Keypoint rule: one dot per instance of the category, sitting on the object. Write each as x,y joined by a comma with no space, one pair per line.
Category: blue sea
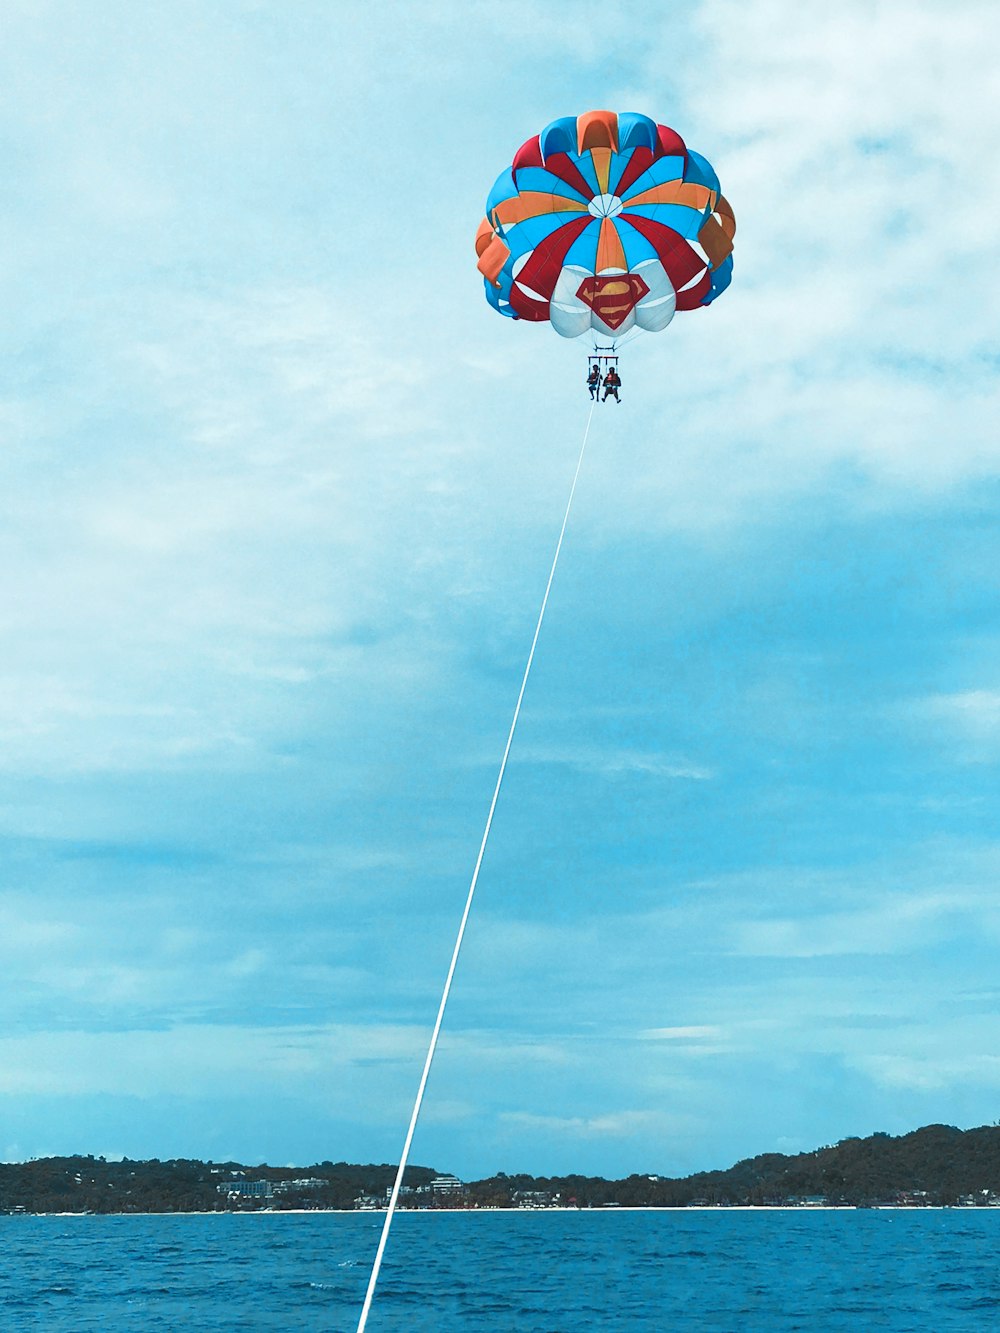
502,1272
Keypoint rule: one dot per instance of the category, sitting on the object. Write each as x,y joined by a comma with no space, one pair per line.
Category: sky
278,497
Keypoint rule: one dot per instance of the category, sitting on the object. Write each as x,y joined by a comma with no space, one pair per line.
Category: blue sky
278,495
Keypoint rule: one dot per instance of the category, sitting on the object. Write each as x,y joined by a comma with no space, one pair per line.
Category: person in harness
612,383
594,380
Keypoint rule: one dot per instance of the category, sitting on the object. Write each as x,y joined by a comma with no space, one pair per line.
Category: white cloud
694,1032
855,312
901,924
30,935
197,1061
930,1074
614,1124
615,763
953,1055
968,721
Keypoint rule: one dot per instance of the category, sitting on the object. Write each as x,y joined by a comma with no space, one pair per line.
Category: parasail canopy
605,222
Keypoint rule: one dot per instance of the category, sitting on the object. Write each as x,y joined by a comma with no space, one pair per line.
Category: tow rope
404,1157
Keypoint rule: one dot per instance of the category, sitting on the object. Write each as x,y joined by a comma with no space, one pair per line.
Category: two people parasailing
611,383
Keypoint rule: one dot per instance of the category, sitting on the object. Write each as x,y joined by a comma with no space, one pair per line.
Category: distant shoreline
468,1212
936,1166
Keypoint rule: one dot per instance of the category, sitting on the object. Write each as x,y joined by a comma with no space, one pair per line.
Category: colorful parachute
605,222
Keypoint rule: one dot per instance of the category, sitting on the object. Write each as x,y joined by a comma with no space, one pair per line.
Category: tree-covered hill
91,1184
937,1164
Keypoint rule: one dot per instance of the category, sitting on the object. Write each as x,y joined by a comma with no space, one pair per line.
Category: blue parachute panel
559,136
663,169
585,165
721,278
701,172
636,247
524,236
636,131
498,301
546,182
583,251
680,218
503,188
619,164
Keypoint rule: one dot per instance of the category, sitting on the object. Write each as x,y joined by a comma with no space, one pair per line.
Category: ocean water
524,1272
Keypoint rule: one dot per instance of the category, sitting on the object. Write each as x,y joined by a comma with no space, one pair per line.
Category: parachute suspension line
632,334
400,1170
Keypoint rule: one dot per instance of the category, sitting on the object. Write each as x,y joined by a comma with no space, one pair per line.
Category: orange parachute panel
675,192
484,235
532,203
597,129
602,165
714,241
727,218
609,248
492,260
